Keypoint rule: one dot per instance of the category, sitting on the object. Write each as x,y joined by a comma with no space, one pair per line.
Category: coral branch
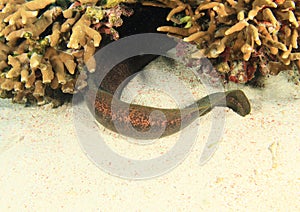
240,36
45,44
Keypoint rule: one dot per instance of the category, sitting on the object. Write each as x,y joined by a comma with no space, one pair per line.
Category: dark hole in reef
144,20
38,75
20,41
48,30
57,97
64,3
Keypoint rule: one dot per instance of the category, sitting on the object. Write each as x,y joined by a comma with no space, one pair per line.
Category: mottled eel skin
133,120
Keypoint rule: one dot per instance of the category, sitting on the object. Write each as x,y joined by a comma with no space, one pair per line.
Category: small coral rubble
239,36
45,45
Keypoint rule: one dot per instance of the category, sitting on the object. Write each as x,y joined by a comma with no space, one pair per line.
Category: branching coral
46,44
240,36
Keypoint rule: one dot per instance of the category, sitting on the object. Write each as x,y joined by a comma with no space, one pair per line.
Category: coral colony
45,44
240,37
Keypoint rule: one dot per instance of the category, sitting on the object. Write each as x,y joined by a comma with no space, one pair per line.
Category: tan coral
35,60
273,43
3,65
54,83
68,61
15,71
69,87
55,36
59,69
45,44
20,97
24,75
263,31
30,79
195,36
67,25
237,27
82,29
47,72
18,86
39,89
88,57
178,31
248,47
175,10
30,10
60,60
204,35
294,56
294,39
7,84
268,15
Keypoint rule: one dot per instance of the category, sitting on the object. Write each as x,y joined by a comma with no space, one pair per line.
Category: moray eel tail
234,99
138,121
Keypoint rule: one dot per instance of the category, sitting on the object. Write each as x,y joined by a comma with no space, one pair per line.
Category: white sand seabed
256,166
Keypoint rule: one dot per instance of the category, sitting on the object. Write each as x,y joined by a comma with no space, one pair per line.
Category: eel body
145,122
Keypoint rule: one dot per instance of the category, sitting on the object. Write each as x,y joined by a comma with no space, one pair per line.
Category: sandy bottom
256,166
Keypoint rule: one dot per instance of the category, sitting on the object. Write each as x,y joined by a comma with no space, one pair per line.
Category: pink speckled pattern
256,166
